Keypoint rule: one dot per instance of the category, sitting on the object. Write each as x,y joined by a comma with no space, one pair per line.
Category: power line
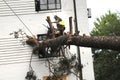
18,17
24,25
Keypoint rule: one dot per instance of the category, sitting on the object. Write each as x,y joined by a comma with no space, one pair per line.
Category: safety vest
61,23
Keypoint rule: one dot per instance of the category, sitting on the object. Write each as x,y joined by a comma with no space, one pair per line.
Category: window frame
55,5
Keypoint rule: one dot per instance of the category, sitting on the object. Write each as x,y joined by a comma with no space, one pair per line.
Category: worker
60,24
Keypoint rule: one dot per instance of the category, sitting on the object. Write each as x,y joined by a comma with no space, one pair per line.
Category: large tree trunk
102,42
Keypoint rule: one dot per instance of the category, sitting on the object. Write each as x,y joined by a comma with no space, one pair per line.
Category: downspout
78,49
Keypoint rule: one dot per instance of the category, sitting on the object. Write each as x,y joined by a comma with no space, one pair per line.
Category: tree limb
102,42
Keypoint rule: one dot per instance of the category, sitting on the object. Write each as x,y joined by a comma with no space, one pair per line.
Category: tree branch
102,42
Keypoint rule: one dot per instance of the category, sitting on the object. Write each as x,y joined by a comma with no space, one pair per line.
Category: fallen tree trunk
101,42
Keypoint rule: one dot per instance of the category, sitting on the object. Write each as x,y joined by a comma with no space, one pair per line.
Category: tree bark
70,24
51,26
101,42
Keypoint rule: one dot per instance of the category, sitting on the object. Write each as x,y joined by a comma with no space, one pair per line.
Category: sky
100,7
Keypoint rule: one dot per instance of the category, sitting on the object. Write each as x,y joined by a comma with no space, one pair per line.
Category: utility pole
78,49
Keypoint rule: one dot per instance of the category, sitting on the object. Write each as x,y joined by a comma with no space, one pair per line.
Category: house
30,16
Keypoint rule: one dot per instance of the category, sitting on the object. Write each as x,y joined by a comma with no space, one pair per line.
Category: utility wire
26,28
18,17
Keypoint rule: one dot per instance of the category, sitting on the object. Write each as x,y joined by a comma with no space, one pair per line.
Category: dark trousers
61,28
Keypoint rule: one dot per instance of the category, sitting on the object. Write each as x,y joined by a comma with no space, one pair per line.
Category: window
41,37
41,5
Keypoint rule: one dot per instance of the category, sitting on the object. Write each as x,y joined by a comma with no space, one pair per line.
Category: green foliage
107,65
106,62
107,25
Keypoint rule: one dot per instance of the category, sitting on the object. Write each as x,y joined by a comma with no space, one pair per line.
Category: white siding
19,7
15,60
14,57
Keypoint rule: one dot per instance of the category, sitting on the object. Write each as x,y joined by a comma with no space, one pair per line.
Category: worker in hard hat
60,24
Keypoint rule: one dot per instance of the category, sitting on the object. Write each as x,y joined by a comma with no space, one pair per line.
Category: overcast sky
100,7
